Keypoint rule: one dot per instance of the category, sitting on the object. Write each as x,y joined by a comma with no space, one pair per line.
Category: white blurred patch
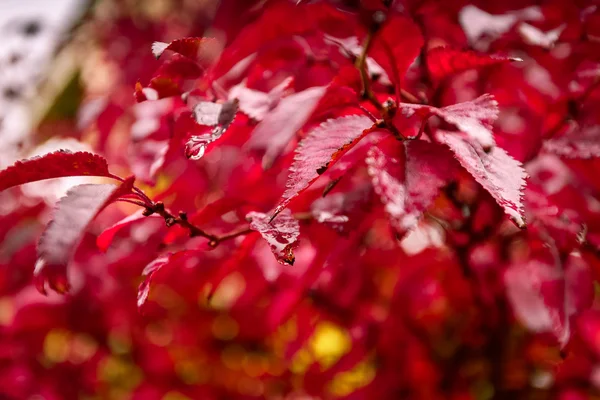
51,190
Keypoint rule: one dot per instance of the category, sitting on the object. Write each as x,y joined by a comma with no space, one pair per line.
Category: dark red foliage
336,199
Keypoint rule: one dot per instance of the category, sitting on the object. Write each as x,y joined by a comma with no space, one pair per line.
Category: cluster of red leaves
375,199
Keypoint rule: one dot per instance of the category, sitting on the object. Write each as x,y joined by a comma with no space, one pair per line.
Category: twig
170,220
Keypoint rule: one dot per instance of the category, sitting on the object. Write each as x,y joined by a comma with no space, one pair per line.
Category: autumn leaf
443,62
257,104
580,145
321,148
496,171
106,237
544,296
219,115
408,179
474,118
281,233
190,47
280,125
73,214
59,164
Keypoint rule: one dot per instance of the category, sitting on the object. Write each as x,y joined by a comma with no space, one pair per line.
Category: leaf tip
158,48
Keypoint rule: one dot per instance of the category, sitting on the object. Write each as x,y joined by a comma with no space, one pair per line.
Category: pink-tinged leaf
257,104
536,37
443,62
281,124
579,284
191,47
409,178
159,87
281,233
474,118
106,237
496,171
545,297
343,211
396,46
581,145
59,164
73,214
219,115
149,270
321,148
536,291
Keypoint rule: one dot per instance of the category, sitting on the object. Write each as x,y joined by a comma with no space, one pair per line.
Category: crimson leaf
443,61
257,104
408,180
106,237
496,171
53,165
219,115
73,214
190,47
281,233
281,124
322,147
585,144
544,296
474,118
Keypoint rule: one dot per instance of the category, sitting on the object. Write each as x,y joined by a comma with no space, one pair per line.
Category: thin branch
361,65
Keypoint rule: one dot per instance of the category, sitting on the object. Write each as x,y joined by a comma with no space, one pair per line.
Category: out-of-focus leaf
281,233
73,214
443,62
321,148
53,165
474,118
408,179
496,171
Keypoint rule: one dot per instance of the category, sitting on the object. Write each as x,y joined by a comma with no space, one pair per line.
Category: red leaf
281,124
397,46
443,61
544,296
53,165
153,267
536,291
343,211
73,214
106,237
582,145
322,147
257,104
159,87
281,233
409,179
219,115
191,47
474,118
496,171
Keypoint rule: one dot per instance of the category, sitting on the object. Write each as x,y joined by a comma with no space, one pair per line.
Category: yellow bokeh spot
302,359
233,356
119,372
229,290
255,365
191,373
56,345
175,396
7,311
344,383
119,341
159,334
224,327
328,343
83,347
